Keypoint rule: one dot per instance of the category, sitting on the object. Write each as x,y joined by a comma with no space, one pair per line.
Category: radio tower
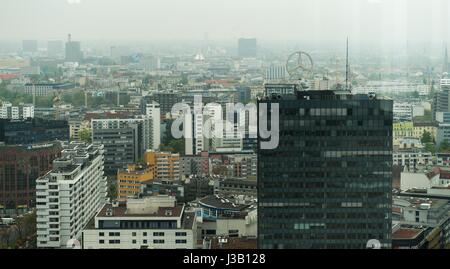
347,69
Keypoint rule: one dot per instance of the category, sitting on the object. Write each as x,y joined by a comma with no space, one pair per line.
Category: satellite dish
299,65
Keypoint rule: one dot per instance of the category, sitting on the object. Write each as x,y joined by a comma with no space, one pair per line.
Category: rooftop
406,233
233,243
442,172
218,202
424,203
121,211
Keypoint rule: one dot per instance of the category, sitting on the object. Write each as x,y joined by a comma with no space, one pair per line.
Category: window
133,234
158,234
134,241
158,241
101,234
101,241
114,241
180,234
180,241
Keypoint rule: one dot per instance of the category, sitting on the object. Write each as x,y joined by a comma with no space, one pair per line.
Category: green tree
426,137
85,135
112,191
174,145
444,147
430,147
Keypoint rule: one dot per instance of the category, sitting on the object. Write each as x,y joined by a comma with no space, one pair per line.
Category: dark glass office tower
328,183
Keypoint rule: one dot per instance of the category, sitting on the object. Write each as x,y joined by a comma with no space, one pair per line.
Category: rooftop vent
109,212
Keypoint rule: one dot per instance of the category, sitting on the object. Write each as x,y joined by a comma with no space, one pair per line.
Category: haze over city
377,22
224,124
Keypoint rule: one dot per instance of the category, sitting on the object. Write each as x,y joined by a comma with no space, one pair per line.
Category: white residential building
155,222
24,111
403,111
70,194
153,111
412,158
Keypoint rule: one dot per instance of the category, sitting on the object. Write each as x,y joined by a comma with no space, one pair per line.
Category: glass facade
328,183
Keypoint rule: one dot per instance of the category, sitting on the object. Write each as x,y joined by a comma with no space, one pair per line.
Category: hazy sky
365,21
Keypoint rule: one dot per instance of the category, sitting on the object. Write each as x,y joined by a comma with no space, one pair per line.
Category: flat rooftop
221,203
406,233
121,211
234,243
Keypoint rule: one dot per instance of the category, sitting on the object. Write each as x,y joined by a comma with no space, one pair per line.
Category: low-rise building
167,164
412,158
425,212
402,130
421,127
131,180
409,237
237,186
155,222
232,216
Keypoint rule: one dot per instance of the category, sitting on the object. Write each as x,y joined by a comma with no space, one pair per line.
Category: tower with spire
347,70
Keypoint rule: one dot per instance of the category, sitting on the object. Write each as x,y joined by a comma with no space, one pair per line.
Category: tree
444,147
112,191
426,137
85,135
25,226
430,147
174,145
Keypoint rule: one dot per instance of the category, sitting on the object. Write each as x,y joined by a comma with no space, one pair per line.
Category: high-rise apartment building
328,183
153,111
70,195
441,99
73,50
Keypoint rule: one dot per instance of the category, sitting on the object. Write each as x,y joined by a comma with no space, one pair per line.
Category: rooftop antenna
347,68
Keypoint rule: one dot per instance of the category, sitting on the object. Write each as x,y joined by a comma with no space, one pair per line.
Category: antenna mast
347,69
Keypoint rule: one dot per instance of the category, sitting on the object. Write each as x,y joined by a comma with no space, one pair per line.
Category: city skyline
377,22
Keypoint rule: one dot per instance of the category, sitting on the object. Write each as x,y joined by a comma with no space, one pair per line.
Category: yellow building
402,130
167,164
129,181
421,127
76,126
